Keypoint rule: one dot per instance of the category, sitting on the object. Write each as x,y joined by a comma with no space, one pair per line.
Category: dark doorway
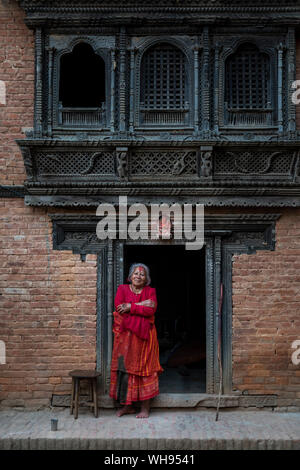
179,278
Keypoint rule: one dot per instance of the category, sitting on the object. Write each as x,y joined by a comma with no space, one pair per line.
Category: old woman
135,363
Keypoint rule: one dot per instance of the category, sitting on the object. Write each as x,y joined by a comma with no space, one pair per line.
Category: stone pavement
165,429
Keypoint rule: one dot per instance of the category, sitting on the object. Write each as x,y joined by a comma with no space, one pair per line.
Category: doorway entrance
179,278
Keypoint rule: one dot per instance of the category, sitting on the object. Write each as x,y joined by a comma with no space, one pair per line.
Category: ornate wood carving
205,109
180,6
11,191
110,307
28,163
112,89
206,170
164,118
51,51
210,358
225,234
222,168
122,79
196,93
122,165
75,118
267,46
244,166
218,49
264,164
38,81
291,72
217,293
101,326
280,49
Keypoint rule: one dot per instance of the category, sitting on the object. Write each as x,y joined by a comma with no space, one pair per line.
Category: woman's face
138,277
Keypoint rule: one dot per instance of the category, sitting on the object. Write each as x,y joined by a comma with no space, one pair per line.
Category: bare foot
145,410
126,410
143,414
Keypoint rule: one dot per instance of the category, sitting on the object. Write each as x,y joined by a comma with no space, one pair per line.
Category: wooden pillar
279,81
217,282
110,308
209,254
38,82
291,40
216,89
131,112
205,82
112,89
196,85
122,81
50,51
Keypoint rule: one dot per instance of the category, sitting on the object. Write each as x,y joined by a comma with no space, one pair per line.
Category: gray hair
147,271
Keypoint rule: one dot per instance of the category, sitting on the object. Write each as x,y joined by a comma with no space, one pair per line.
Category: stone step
165,429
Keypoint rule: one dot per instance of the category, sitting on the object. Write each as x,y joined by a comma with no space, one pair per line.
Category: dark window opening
179,278
82,78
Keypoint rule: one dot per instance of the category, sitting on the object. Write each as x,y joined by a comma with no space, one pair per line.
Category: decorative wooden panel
163,86
248,87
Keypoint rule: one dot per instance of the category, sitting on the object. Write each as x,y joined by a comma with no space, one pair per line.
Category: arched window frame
189,83
56,111
252,119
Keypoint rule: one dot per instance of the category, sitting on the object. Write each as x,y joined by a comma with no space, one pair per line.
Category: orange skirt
132,354
127,388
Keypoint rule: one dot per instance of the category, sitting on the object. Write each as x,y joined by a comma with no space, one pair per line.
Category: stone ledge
186,400
166,429
77,443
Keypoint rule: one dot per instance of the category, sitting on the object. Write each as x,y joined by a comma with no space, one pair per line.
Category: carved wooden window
82,88
163,97
248,88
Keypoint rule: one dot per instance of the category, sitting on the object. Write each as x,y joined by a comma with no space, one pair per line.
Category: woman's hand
123,308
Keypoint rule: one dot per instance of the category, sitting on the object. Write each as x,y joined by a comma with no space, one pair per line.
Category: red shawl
140,319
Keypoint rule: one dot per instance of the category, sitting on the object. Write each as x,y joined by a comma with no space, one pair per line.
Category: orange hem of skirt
139,389
129,402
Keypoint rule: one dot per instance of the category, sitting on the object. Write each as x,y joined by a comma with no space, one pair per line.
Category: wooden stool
91,376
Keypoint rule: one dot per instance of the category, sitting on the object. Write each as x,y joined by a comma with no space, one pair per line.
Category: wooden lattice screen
163,78
163,87
248,87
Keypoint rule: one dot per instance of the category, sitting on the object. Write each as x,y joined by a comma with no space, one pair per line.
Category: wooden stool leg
95,397
77,389
72,395
91,390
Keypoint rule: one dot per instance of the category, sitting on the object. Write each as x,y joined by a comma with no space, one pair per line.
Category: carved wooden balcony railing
241,173
245,117
81,117
164,117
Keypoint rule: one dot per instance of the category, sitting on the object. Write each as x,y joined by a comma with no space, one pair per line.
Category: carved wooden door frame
111,274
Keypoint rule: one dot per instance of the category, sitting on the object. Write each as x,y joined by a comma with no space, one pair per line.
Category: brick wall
17,72
47,308
48,311
266,315
48,301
